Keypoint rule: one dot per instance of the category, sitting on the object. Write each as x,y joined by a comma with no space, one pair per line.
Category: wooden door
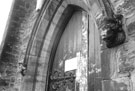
69,68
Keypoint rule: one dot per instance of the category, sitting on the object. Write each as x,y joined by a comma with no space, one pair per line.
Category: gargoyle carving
112,31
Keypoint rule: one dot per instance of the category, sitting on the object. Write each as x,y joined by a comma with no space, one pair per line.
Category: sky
5,6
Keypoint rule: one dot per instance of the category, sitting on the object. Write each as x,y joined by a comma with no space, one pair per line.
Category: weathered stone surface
109,85
50,11
11,52
118,64
131,28
125,7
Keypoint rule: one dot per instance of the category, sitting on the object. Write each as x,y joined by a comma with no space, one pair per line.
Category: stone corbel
112,31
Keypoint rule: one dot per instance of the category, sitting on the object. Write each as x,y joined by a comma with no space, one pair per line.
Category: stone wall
35,31
16,40
119,74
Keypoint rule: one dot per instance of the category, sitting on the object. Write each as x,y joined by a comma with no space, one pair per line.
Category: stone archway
43,38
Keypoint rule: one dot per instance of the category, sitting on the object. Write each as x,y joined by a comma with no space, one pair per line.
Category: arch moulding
46,33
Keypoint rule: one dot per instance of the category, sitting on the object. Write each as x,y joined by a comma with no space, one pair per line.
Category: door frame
42,40
70,11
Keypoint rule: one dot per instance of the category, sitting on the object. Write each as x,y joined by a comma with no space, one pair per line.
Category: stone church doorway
69,68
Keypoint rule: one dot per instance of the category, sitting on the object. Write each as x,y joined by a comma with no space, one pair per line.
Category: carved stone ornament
112,31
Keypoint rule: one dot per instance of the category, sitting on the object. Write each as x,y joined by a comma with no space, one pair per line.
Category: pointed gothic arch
50,23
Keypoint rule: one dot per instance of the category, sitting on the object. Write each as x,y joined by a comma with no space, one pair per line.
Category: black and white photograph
67,45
